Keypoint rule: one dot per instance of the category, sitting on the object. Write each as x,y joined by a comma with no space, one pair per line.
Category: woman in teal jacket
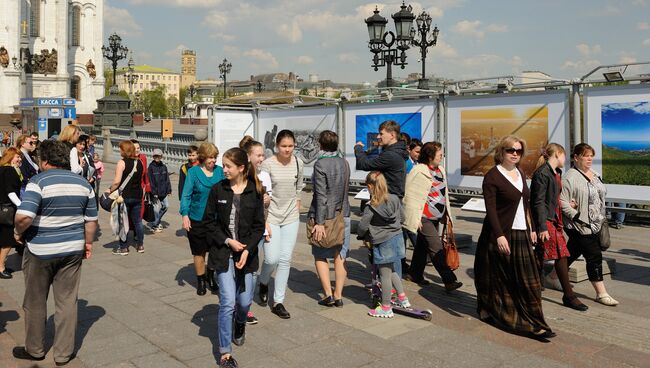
200,179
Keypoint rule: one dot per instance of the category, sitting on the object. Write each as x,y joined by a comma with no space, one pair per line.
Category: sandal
607,300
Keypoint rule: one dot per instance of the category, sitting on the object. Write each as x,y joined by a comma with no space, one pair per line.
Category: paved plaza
142,311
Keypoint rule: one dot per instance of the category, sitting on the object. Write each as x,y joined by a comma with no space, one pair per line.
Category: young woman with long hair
235,219
285,170
10,177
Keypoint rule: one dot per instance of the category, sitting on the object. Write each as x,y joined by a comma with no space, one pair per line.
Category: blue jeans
164,205
134,209
277,257
234,302
619,217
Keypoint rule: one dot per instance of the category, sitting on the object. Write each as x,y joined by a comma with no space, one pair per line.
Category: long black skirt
509,288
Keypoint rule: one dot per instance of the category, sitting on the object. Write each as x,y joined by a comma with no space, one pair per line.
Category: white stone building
57,49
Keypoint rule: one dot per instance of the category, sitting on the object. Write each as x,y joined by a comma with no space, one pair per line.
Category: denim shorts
390,251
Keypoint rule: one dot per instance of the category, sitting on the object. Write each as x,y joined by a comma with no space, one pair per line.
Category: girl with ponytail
545,190
235,214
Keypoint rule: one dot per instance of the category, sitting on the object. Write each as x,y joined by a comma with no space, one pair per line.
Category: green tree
154,102
304,92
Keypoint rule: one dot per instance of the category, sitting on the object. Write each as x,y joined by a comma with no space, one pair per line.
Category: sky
626,122
563,38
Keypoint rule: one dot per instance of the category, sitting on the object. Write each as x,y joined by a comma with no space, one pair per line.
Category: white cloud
120,20
580,65
516,61
305,60
223,37
232,51
444,49
176,51
348,57
473,28
638,107
216,19
639,2
646,42
643,26
586,50
178,3
481,60
269,61
292,32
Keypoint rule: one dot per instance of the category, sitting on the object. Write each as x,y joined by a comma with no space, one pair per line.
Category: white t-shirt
520,217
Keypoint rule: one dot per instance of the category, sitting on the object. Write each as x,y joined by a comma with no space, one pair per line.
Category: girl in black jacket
235,216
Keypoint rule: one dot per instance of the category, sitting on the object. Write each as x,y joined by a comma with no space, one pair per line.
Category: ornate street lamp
381,42
423,22
130,76
114,52
224,70
191,90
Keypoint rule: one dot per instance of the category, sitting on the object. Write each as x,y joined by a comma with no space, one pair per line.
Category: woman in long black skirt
507,280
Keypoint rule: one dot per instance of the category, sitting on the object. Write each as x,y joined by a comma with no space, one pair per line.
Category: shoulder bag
334,227
7,214
106,199
449,245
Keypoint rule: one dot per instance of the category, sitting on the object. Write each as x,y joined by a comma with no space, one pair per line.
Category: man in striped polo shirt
56,220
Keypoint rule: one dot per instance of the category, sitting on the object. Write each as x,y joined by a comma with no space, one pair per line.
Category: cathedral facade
51,63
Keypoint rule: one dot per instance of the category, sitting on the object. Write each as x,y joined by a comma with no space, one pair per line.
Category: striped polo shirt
59,202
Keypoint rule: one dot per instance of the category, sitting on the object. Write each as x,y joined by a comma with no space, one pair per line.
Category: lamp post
191,90
114,52
423,22
381,42
130,76
224,70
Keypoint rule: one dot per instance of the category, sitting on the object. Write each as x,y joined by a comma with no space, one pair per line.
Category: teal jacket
196,190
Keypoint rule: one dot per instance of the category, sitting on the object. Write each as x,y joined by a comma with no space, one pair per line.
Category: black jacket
251,224
161,186
391,162
27,170
544,192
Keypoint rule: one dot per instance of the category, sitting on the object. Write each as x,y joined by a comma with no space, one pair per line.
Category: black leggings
589,247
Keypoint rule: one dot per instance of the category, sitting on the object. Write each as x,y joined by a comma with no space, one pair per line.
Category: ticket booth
48,116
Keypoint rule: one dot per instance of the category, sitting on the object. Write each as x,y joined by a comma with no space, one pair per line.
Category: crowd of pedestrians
243,216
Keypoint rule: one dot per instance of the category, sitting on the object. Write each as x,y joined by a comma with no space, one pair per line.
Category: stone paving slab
142,311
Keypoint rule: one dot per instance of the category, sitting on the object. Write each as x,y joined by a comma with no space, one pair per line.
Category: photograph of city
482,129
626,143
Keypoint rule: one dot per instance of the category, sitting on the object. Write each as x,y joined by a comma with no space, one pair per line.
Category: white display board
476,124
362,124
305,123
617,123
230,126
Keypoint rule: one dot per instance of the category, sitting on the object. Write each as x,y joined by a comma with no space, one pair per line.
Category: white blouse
520,217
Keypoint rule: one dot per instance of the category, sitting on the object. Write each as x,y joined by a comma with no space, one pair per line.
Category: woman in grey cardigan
330,178
583,207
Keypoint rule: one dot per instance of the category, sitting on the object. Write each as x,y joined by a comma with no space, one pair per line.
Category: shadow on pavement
207,321
7,316
87,315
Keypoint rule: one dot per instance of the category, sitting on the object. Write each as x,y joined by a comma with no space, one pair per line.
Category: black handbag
7,213
603,237
149,214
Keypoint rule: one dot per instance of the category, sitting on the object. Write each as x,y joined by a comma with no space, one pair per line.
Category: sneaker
121,251
379,312
403,303
239,334
251,319
157,229
140,248
228,362
280,311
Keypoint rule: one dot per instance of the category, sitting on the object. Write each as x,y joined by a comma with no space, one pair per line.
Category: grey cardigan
331,174
574,186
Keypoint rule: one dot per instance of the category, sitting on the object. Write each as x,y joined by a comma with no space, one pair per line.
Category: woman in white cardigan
426,205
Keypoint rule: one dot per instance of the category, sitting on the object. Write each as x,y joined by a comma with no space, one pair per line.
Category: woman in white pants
283,219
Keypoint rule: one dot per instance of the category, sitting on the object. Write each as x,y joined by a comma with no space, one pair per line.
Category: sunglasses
512,151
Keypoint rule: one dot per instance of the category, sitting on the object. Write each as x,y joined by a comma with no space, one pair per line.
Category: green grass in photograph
626,167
